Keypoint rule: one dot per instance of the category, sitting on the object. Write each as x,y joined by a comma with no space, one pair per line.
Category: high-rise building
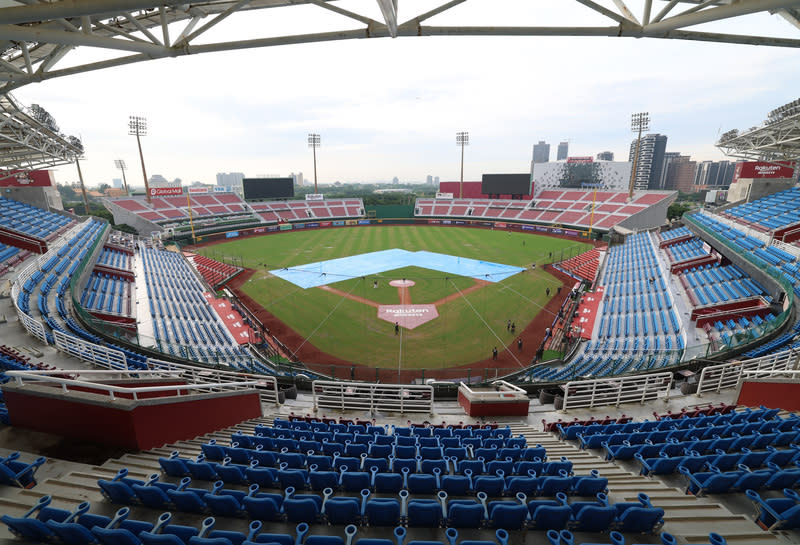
605,156
395,180
429,180
297,178
563,151
435,180
714,175
116,182
680,174
232,180
650,162
669,156
541,152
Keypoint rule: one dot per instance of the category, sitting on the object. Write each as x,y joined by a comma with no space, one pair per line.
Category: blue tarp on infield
317,274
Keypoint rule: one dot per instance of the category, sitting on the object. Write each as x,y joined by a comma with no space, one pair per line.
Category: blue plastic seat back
476,466
379,451
149,538
302,509
550,486
506,466
117,492
355,481
595,518
424,513
405,451
223,505
465,514
381,463
151,496
264,508
186,501
421,483
278,539
296,478
203,471
456,485
551,517
640,519
400,463
343,511
508,515
322,461
350,462
429,465
388,482
492,486
115,536
264,477
71,533
589,486
320,480
526,485
174,467
383,512
324,540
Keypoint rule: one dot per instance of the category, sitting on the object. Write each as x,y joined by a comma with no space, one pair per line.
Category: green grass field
468,326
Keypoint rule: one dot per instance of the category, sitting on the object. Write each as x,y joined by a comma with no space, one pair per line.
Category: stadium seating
30,220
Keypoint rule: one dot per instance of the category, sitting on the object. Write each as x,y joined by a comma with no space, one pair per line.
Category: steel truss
36,35
30,139
775,140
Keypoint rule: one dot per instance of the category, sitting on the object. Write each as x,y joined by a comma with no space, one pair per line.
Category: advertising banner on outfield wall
165,191
232,234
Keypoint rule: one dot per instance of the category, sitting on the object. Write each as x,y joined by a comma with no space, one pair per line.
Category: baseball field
340,319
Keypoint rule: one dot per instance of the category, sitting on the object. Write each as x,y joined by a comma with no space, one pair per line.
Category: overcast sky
391,107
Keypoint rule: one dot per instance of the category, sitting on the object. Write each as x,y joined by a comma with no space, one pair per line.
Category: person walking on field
519,345
494,353
396,328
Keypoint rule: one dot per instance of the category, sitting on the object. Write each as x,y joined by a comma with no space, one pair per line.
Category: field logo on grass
408,316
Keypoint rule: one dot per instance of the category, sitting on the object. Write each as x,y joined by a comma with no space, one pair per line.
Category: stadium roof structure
37,37
30,138
777,138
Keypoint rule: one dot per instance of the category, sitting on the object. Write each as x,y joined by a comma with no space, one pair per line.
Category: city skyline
401,115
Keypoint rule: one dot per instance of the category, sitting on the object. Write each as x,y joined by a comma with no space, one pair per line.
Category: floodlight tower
83,187
120,164
137,126
313,143
639,122
462,139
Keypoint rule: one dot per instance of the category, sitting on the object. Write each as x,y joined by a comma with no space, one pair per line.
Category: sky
391,107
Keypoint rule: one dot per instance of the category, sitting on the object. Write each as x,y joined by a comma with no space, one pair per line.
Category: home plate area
407,316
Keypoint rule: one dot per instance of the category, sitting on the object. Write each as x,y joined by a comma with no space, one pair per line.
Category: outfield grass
467,328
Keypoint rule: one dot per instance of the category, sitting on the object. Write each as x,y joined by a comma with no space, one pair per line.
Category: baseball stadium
522,359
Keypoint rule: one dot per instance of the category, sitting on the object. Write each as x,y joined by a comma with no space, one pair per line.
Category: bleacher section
108,295
212,271
184,323
214,211
31,221
289,211
769,213
583,266
637,327
567,207
116,259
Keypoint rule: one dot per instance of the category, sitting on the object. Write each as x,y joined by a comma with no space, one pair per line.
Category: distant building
232,180
650,162
435,180
714,175
298,178
680,174
605,156
429,180
563,151
116,182
669,156
395,180
541,152
157,180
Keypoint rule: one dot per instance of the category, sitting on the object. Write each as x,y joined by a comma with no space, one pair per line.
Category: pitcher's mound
408,316
401,283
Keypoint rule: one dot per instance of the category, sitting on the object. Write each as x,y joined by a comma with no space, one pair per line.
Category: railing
714,378
63,381
788,248
343,396
87,351
747,230
615,391
267,386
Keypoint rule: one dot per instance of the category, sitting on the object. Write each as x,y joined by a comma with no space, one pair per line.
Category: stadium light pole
462,139
83,187
639,122
313,143
137,126
120,164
